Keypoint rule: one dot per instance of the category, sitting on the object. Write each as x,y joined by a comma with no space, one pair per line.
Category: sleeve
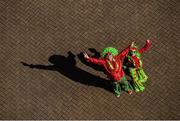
123,53
146,47
96,61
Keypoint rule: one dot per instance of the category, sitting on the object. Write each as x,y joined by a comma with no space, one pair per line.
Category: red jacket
118,73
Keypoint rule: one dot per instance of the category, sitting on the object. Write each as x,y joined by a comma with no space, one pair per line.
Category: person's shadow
67,67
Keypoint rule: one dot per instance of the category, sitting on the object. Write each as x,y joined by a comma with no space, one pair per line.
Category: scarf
111,67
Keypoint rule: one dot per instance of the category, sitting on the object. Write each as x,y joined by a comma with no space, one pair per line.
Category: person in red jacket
111,60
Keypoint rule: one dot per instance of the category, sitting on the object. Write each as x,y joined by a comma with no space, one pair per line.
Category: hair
111,50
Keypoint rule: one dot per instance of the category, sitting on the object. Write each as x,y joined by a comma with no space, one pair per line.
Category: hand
132,44
148,41
86,55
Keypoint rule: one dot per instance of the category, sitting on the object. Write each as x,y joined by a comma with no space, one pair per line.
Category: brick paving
43,76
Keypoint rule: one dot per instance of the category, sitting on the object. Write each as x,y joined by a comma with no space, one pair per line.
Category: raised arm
146,47
94,60
123,53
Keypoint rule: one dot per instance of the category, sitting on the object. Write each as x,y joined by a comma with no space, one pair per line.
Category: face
132,52
110,57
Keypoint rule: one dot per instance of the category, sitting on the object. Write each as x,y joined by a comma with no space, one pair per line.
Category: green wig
111,50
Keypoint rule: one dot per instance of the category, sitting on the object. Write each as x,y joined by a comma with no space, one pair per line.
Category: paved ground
50,35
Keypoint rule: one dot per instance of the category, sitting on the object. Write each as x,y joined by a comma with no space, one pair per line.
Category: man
111,60
134,65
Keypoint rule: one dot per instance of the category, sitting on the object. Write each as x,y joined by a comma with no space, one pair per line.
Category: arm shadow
67,67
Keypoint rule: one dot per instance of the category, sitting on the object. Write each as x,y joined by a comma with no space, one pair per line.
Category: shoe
142,88
130,92
117,96
137,90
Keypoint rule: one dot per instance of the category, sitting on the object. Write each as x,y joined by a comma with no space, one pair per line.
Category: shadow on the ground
67,67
